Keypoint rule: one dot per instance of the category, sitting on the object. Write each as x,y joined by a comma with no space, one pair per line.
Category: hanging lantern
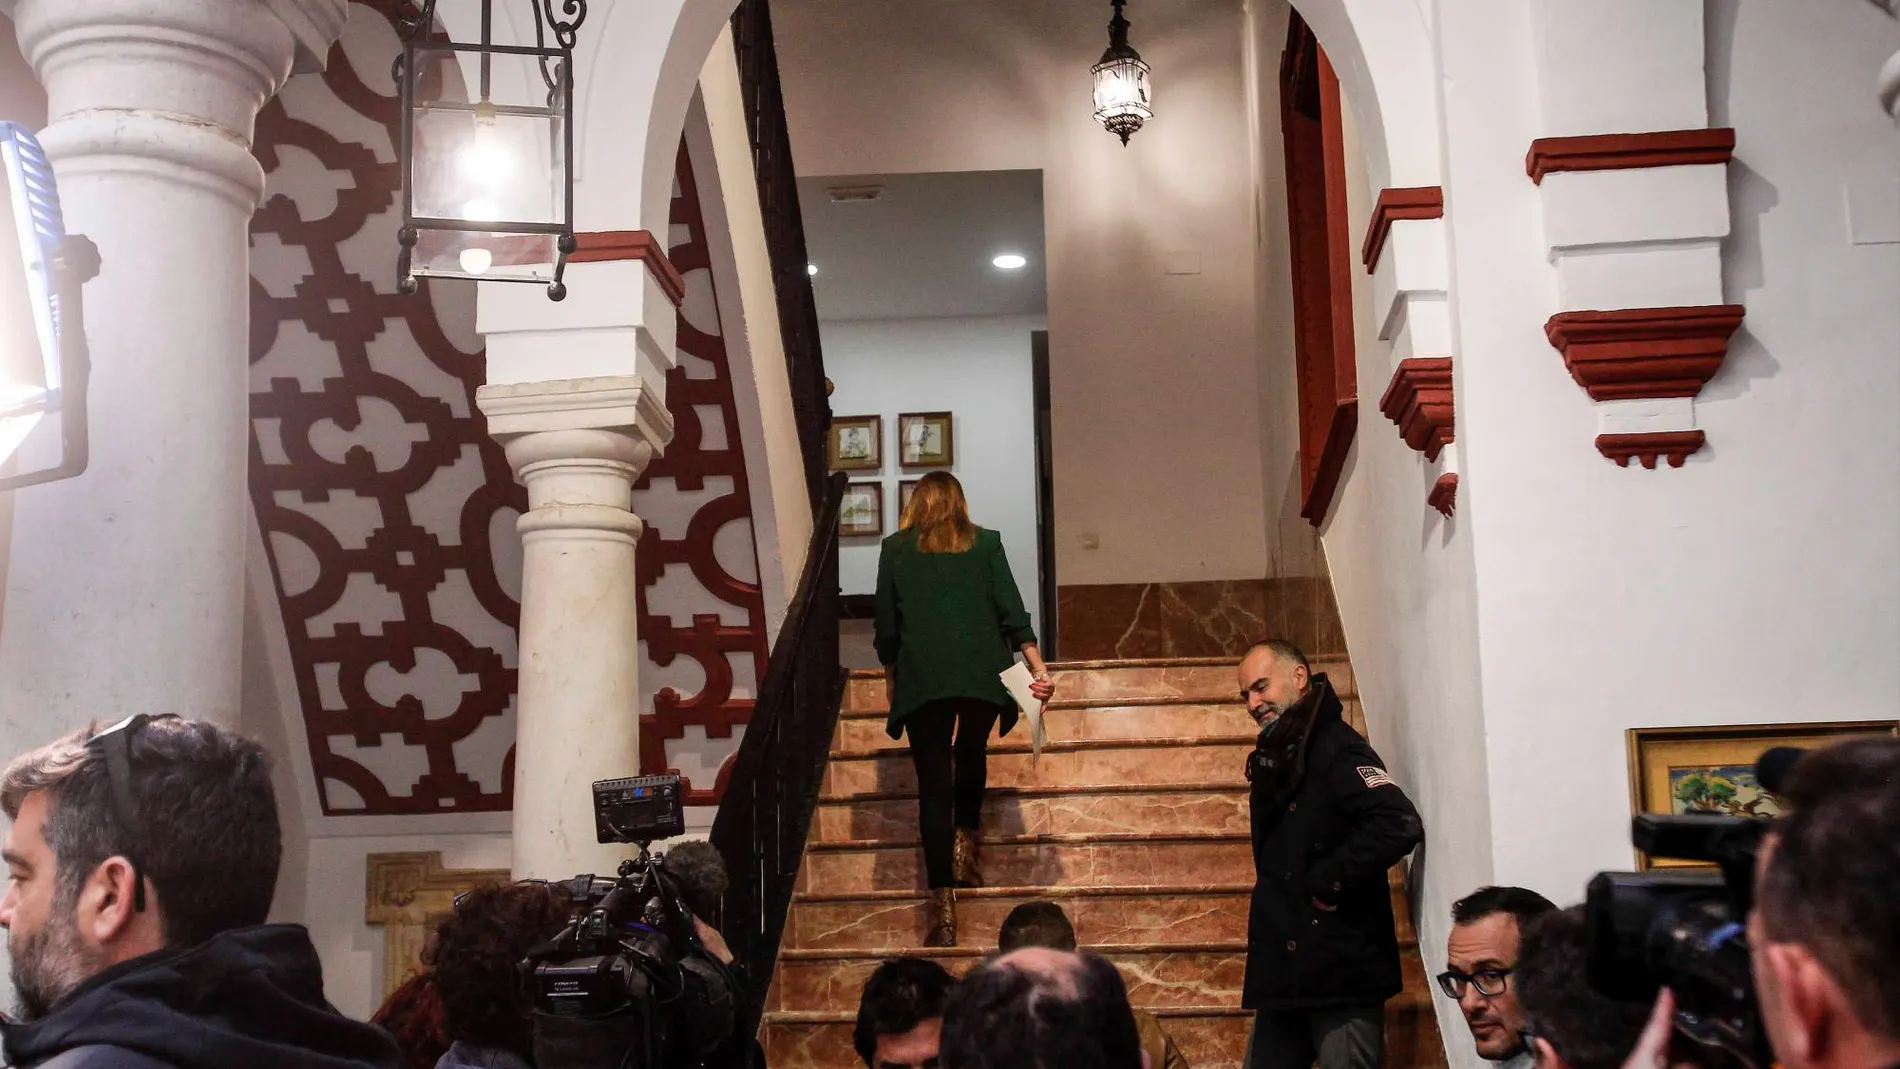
1124,97
487,151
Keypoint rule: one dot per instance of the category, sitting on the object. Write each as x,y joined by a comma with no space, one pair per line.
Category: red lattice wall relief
388,513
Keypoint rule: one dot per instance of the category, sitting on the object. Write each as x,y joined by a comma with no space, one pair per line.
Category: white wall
1154,376
1760,582
979,370
1402,573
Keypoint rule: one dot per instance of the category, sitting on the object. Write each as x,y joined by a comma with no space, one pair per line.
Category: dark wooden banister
766,812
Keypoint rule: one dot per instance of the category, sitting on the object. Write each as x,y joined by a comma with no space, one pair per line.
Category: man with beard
1481,963
142,862
1322,955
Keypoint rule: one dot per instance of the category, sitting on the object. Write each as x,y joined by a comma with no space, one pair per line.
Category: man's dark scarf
1278,762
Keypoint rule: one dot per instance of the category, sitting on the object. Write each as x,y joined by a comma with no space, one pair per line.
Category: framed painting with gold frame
1712,769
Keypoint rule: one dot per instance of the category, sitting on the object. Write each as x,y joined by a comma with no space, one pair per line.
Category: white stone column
125,585
578,445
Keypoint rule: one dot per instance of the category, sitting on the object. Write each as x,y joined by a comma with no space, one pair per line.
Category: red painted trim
1419,400
1320,255
1616,152
1676,445
1444,495
1332,461
1401,202
601,245
1644,352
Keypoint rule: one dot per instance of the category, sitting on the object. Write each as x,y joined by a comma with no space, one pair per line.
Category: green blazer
949,623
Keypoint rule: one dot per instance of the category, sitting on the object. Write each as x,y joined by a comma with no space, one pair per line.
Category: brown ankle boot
966,858
941,928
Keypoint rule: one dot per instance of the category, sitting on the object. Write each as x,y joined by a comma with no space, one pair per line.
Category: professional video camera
628,984
1684,928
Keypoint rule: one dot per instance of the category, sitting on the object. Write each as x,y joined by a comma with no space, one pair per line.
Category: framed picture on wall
862,513
1712,769
925,440
905,488
856,443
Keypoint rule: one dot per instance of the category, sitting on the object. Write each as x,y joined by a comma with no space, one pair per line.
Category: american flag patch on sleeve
1375,777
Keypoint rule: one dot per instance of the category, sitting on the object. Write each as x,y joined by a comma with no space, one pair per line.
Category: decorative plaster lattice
699,581
389,514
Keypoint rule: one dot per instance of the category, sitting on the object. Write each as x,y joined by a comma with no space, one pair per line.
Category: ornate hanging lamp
1124,95
487,150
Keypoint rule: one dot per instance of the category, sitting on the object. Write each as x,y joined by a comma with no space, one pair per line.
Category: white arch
1385,57
639,61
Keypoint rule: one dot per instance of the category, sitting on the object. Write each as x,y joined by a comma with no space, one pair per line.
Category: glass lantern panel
484,254
1122,89
499,159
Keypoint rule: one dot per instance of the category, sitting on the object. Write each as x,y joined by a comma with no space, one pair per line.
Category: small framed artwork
862,513
905,488
856,443
1712,769
925,440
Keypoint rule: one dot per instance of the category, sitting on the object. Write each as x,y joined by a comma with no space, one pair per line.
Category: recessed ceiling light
1009,261
811,269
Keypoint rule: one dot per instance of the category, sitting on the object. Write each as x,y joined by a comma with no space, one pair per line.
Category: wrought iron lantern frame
556,63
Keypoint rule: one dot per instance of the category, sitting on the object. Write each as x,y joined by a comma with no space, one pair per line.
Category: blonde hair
939,515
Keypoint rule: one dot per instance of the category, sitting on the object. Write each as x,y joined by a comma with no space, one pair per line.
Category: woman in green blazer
949,620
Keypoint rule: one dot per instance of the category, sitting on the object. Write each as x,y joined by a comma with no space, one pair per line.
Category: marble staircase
1134,819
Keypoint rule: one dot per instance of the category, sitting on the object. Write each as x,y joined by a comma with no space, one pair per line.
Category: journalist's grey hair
699,874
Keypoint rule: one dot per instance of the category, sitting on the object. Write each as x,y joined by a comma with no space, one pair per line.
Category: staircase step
861,732
1101,860
1158,975
1190,678
1218,759
1211,1037
1161,809
1159,915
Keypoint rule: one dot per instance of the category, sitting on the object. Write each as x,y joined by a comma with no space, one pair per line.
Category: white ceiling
923,247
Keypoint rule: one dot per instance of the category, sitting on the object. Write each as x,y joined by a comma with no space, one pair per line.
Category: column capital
168,88
624,404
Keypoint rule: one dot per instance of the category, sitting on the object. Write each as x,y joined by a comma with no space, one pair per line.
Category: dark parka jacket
248,998
1328,822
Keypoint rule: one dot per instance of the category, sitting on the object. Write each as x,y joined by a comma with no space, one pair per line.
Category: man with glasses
1480,958
1328,823
142,862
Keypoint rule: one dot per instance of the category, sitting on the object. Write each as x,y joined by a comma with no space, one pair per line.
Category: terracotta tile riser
1219,765
1155,979
1061,815
1065,725
1200,681
1208,1043
1112,920
1038,865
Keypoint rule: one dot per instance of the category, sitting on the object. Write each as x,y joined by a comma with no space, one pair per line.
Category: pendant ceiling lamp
1124,94
488,149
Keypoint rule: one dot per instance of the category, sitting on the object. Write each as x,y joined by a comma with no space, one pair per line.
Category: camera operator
699,875
638,978
1566,1023
1824,937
